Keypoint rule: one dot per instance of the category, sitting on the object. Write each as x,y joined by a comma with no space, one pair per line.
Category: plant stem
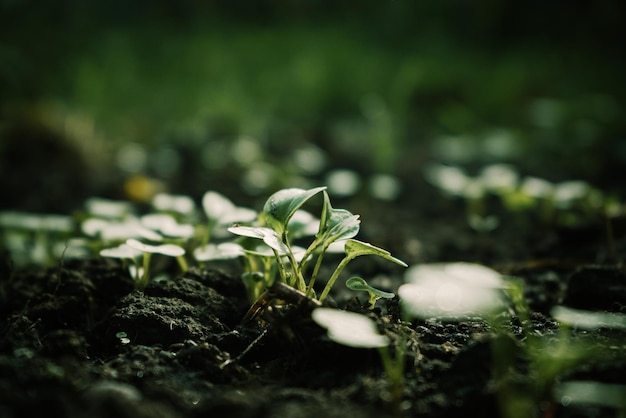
316,269
182,263
334,277
394,369
299,279
281,268
146,271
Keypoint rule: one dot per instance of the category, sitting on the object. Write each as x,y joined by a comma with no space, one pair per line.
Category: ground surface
186,352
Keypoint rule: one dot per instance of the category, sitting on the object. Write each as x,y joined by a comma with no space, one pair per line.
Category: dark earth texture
78,340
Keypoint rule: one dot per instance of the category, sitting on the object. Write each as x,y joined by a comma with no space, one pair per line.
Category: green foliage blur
376,86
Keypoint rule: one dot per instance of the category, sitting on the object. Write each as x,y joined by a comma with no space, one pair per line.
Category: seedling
358,283
455,291
125,252
147,250
451,291
118,230
359,331
166,202
335,225
107,208
168,226
30,238
222,212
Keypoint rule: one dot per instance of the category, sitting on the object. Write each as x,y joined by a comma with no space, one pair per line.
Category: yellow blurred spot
142,189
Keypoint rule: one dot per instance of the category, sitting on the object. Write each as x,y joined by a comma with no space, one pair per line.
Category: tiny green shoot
359,331
358,283
164,249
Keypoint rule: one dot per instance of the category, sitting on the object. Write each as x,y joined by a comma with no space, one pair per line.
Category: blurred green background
125,98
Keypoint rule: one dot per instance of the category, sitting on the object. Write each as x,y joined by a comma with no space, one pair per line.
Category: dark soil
185,351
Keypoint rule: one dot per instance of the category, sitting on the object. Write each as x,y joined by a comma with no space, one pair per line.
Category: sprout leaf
282,205
355,248
357,283
349,328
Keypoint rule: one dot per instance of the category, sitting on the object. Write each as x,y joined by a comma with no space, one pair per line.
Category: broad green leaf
274,242
281,206
269,236
355,248
250,231
357,283
342,225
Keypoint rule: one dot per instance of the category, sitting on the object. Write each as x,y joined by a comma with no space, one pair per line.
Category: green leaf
349,328
357,283
281,206
216,205
269,236
342,225
258,232
274,242
355,248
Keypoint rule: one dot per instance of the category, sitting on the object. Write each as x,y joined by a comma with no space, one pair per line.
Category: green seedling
107,230
222,212
357,283
359,331
180,204
107,208
588,393
167,226
451,291
125,252
215,252
31,238
170,250
457,291
335,225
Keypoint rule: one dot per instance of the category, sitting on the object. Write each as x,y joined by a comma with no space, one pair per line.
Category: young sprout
116,230
354,249
499,178
349,328
165,249
358,283
124,252
223,251
451,291
358,331
283,216
282,205
221,211
588,320
166,202
167,225
588,392
107,208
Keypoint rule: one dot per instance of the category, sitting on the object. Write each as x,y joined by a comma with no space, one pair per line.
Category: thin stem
307,254
394,369
281,268
334,277
316,269
146,271
301,285
182,263
297,279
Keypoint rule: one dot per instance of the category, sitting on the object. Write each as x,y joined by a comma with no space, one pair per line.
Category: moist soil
78,340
